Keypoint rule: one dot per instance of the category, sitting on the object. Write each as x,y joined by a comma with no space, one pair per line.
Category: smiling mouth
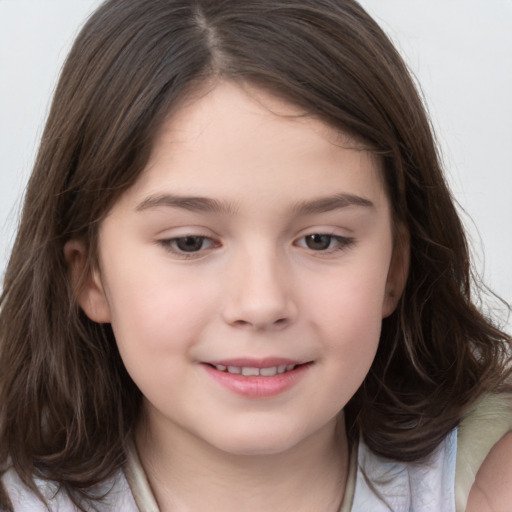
257,379
249,371
256,371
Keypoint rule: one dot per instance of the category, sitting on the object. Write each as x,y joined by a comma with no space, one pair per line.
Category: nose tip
260,321
260,311
260,297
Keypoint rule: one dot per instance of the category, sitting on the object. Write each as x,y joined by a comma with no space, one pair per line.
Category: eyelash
342,242
171,244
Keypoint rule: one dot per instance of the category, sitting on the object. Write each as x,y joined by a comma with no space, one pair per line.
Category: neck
187,475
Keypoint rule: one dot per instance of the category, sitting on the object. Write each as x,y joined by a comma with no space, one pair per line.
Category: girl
239,270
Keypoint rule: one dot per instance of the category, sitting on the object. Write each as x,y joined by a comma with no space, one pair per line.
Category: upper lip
244,362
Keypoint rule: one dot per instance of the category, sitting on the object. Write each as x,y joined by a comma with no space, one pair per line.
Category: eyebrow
209,205
191,203
330,203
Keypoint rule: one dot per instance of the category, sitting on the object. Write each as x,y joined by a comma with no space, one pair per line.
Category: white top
404,487
440,483
119,499
383,485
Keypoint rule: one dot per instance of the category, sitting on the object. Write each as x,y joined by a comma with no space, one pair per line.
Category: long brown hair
67,404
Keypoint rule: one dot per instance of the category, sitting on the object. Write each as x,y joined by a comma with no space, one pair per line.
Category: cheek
156,326
155,312
355,295
351,338
349,315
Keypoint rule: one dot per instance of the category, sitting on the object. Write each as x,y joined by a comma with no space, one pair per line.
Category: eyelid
168,245
343,242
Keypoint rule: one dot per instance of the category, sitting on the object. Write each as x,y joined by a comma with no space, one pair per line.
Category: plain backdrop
459,50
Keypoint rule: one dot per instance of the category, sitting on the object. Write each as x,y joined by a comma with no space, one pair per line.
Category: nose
260,293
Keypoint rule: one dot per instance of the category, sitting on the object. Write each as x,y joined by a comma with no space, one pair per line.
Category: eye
187,245
190,243
324,242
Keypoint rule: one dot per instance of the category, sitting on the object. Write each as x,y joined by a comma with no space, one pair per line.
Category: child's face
257,242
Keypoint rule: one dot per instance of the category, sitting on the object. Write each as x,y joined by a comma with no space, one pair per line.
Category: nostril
259,311
279,323
241,323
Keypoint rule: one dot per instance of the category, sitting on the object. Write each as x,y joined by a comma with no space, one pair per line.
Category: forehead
231,136
246,106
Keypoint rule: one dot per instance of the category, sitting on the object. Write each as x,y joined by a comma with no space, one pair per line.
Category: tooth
250,372
220,367
290,367
281,368
268,372
234,369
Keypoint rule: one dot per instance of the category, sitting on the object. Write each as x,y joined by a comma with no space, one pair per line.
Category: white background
459,50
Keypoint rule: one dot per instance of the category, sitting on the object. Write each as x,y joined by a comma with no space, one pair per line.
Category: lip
257,386
267,362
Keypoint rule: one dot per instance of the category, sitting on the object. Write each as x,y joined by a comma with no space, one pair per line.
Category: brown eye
190,243
324,242
318,242
189,247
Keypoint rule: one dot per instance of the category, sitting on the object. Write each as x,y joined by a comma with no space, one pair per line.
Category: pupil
189,243
318,242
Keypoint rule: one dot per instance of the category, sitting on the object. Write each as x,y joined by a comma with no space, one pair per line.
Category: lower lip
257,386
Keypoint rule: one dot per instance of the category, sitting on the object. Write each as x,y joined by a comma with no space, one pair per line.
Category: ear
398,271
86,282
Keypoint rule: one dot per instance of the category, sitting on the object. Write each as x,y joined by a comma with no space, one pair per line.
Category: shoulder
492,489
484,456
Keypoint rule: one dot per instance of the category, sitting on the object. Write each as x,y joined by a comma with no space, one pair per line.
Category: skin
492,490
260,283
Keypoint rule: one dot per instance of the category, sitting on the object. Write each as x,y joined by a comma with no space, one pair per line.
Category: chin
258,443
255,449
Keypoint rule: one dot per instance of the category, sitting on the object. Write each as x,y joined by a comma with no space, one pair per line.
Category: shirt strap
138,482
348,496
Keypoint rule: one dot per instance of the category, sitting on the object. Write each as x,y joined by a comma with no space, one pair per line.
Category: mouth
257,379
255,371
